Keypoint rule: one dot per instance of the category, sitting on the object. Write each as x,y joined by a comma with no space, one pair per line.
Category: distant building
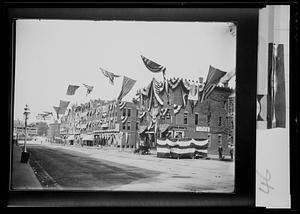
101,123
19,130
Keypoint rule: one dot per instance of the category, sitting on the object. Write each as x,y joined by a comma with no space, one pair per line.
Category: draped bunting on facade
163,111
156,91
122,104
142,114
174,82
124,118
168,148
176,108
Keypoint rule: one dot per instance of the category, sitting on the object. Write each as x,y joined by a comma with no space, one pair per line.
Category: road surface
85,168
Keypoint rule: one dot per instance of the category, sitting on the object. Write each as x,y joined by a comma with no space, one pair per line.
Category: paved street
72,167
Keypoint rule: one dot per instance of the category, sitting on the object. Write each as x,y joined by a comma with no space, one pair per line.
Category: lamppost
25,154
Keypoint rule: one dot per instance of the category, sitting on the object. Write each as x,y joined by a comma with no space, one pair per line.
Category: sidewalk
23,176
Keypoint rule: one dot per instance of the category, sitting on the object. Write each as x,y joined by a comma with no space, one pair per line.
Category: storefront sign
202,129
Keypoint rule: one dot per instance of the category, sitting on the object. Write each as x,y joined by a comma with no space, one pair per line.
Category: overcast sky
51,54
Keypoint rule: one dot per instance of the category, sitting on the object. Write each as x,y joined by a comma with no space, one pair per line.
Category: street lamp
25,154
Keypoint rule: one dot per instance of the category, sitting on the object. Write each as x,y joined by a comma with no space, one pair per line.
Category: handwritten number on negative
265,186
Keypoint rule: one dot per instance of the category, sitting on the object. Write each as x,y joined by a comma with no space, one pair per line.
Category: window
137,126
220,121
227,121
116,114
124,126
128,112
232,124
185,118
128,125
124,112
196,119
208,118
225,105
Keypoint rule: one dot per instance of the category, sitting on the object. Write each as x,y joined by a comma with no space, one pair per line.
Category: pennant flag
57,111
153,66
127,85
109,75
72,89
276,105
213,77
88,88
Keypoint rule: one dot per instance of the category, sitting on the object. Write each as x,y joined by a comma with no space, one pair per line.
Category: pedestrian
220,150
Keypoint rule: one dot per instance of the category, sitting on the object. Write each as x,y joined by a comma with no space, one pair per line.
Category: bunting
127,85
213,77
173,83
142,114
109,75
122,104
124,118
72,89
156,90
176,108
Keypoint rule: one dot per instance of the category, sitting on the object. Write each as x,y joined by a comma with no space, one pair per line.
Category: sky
51,54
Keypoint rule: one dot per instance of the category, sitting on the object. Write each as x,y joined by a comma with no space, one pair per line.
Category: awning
163,127
70,137
87,137
142,129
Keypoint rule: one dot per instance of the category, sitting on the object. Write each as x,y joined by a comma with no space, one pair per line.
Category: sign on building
202,129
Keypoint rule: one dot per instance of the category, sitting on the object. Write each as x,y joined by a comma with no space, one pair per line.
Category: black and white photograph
124,106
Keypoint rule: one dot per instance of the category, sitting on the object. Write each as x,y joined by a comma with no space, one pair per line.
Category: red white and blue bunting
176,108
123,119
122,104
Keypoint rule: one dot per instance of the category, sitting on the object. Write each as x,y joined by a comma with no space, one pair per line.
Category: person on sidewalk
220,150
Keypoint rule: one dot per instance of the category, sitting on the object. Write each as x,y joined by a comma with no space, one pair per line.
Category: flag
127,85
88,88
153,66
109,75
57,111
213,77
156,90
48,113
228,76
71,89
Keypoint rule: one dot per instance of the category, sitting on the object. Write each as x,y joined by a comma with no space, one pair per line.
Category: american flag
127,85
72,89
89,89
109,75
213,77
57,111
153,66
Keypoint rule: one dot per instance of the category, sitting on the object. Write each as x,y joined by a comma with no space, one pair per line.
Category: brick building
172,114
101,122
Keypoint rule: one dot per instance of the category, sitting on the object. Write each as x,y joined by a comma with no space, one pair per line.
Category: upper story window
128,125
124,112
185,118
220,121
196,118
129,112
